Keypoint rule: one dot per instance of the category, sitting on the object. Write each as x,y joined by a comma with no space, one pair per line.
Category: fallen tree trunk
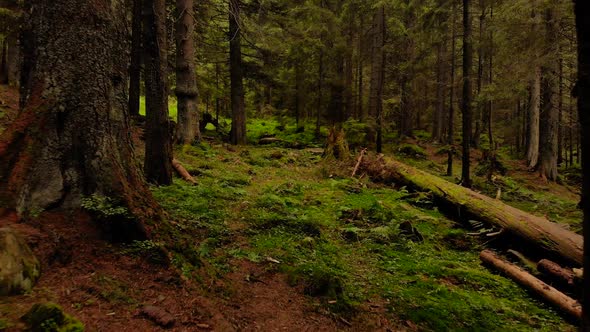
556,272
184,174
547,235
555,297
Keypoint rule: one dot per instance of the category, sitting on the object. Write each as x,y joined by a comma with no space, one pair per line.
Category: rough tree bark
158,140
466,104
135,63
71,138
186,84
533,121
466,204
548,134
238,125
582,10
437,123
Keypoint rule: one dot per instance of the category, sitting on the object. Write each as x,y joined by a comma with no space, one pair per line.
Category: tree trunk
186,84
135,64
581,9
555,297
548,123
361,109
437,123
71,139
480,56
560,116
377,63
451,119
320,95
158,140
466,103
299,100
534,115
238,125
349,69
468,204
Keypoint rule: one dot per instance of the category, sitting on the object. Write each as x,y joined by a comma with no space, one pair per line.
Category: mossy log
466,203
555,297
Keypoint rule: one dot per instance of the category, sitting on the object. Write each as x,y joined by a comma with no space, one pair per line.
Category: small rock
158,315
19,268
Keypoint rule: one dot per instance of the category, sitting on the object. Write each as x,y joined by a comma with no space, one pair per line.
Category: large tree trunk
548,135
582,9
71,138
186,83
539,231
135,63
466,104
238,125
158,140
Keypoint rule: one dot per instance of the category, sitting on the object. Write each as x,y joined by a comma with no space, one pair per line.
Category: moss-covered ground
348,243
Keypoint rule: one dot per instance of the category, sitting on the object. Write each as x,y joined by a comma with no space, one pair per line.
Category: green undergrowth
341,241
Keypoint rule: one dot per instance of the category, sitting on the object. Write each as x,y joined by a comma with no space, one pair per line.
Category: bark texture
158,140
72,139
135,64
539,231
186,82
238,125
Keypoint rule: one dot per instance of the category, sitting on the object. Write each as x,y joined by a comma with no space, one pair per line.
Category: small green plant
104,206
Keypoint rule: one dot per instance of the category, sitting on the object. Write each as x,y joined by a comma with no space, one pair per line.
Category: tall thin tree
186,84
451,118
158,140
238,126
466,103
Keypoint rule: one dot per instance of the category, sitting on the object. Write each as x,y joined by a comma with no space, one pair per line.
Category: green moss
339,240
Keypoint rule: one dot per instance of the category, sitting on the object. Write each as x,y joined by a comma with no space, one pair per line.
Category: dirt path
105,288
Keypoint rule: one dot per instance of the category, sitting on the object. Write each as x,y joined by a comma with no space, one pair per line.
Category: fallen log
182,172
555,271
547,235
555,297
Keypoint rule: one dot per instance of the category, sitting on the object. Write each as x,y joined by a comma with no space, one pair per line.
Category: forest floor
284,241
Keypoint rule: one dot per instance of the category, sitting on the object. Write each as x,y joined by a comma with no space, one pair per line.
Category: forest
294,165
